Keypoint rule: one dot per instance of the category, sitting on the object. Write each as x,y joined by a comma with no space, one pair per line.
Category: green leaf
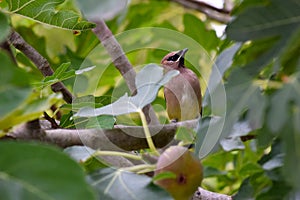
280,103
4,27
11,98
246,191
60,74
215,93
223,62
291,137
30,108
87,101
103,9
46,12
278,191
14,86
197,29
84,155
249,98
83,70
37,41
233,141
250,168
208,135
148,81
290,59
103,122
33,171
79,153
230,144
130,186
261,21
212,172
275,162
67,121
186,135
11,74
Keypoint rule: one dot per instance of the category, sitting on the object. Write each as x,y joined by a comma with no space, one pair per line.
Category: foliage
250,77
129,185
47,12
40,175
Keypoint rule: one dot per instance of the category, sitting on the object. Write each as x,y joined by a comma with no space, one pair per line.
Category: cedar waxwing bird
182,92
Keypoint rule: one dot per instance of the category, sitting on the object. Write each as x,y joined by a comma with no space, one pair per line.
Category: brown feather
183,92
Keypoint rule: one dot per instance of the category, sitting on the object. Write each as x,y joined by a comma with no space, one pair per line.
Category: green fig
185,167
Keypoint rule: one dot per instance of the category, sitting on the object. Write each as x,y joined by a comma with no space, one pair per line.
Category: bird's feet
174,120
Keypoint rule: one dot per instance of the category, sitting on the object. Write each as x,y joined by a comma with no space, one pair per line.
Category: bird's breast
182,99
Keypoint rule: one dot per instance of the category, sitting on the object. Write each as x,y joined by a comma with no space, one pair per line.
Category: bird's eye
173,58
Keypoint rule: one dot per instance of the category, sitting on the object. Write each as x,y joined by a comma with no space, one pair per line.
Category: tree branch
203,194
221,15
121,137
115,139
121,63
116,53
41,63
5,46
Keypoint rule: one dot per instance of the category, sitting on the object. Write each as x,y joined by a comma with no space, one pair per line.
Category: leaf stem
140,168
117,153
147,133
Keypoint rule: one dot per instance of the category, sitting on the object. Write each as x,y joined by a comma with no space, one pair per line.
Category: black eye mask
173,58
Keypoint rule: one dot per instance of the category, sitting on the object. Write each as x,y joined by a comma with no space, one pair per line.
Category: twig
42,64
247,137
117,153
221,15
121,63
54,125
56,112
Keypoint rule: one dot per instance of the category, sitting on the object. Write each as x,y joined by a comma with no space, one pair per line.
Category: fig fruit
185,167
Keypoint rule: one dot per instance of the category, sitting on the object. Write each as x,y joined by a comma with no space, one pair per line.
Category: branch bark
41,63
203,194
121,63
126,138
6,47
221,15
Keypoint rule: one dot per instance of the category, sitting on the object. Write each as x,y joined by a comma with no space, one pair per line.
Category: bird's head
174,60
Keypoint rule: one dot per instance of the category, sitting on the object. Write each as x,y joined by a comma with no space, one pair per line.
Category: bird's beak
181,53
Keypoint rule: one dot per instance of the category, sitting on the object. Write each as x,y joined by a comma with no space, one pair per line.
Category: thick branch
221,15
42,64
121,63
203,194
121,137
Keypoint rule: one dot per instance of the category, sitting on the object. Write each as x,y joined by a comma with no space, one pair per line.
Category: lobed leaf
148,81
130,186
46,12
